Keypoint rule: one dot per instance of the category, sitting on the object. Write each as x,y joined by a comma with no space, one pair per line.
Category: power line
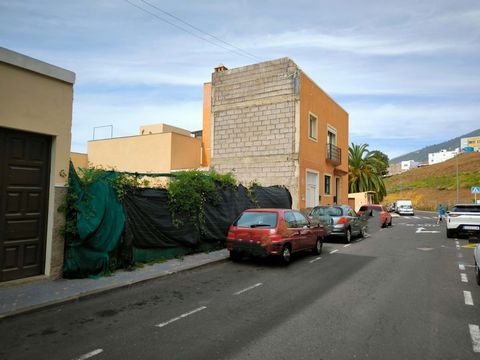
245,54
200,30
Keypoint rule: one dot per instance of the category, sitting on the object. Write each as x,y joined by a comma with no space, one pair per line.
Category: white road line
93,353
456,242
181,316
468,297
426,217
247,289
347,245
316,259
457,246
475,335
464,277
416,217
461,267
333,251
460,255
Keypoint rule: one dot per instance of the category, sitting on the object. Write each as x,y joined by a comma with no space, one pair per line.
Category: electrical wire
200,30
238,52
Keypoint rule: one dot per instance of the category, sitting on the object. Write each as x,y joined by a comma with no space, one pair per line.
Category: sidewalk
23,298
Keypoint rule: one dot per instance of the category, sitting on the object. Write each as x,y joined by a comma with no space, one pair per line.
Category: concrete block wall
253,123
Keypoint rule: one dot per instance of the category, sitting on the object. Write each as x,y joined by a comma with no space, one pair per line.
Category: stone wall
253,123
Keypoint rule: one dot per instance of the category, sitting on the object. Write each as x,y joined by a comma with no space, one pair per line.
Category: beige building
159,148
269,122
35,133
357,200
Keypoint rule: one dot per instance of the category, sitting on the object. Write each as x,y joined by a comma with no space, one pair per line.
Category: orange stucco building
270,123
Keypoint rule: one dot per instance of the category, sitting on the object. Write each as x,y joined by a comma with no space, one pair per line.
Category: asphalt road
399,293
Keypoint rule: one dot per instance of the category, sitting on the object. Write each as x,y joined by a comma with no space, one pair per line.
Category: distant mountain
422,154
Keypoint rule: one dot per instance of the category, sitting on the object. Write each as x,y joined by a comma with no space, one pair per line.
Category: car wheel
348,235
235,255
361,234
317,250
450,233
286,255
477,273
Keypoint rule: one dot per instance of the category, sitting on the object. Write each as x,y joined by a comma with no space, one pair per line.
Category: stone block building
270,123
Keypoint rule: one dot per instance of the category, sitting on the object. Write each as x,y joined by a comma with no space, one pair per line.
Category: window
290,220
312,126
328,180
266,220
331,136
300,219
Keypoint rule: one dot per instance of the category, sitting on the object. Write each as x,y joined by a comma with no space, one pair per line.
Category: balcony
334,154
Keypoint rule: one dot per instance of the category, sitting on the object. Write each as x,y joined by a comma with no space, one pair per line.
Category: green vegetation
365,170
189,191
440,182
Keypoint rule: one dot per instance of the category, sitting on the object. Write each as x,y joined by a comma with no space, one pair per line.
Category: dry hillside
430,185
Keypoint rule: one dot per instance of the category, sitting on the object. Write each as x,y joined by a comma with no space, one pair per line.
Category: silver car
342,221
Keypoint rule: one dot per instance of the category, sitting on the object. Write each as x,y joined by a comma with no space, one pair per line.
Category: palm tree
364,169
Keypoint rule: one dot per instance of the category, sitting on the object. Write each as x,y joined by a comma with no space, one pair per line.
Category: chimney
221,68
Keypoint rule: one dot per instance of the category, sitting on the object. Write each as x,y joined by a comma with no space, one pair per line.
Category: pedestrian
441,213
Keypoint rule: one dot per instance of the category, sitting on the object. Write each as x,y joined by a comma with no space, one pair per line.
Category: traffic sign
475,189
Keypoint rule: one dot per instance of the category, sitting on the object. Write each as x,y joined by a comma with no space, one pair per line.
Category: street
403,292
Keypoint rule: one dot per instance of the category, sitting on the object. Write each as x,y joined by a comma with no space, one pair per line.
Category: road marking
426,217
347,245
468,297
421,230
464,277
461,267
460,255
475,335
247,289
470,246
181,316
95,352
316,259
425,249
456,242
457,246
333,251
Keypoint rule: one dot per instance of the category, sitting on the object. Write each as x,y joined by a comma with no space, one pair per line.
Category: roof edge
26,62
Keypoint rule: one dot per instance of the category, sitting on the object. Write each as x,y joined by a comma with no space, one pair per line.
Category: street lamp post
456,157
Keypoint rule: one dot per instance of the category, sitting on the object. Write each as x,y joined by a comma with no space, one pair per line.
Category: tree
383,161
365,171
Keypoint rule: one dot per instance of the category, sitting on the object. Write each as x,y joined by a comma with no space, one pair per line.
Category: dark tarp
149,223
99,220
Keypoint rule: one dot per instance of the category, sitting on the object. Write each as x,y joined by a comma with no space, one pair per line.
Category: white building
407,165
441,156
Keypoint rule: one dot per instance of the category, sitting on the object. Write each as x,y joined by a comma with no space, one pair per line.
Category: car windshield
266,220
406,206
466,208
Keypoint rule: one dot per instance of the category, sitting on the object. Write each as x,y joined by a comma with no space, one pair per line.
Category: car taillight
231,235
342,220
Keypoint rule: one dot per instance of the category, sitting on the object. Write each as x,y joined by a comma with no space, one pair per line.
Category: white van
404,207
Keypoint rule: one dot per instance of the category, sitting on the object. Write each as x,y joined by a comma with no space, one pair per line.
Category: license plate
471,227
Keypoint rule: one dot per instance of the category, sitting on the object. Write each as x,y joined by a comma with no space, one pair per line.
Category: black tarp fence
149,223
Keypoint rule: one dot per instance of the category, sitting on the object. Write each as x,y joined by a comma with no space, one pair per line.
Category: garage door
24,178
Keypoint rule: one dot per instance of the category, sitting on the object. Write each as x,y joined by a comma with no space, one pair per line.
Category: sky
407,72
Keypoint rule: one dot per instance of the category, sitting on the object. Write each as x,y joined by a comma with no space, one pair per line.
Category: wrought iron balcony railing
334,154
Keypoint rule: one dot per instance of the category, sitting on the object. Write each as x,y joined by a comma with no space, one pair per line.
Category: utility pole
456,157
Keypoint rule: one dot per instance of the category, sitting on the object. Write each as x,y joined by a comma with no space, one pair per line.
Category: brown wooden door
24,183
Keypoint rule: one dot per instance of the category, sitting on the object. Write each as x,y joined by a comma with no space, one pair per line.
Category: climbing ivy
189,192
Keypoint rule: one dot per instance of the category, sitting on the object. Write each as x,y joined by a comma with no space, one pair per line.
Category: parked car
377,210
345,222
273,232
322,214
404,207
476,258
463,219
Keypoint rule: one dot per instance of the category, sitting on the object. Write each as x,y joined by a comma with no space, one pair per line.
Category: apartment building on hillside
269,122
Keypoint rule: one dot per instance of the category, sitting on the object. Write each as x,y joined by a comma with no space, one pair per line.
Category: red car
384,216
273,232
